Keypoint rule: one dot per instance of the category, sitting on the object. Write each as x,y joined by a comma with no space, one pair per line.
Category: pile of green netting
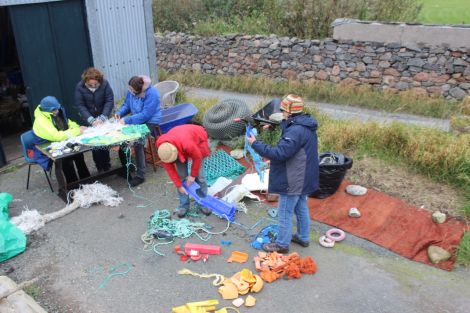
127,133
221,164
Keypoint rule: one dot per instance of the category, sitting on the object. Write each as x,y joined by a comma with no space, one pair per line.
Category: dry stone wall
423,69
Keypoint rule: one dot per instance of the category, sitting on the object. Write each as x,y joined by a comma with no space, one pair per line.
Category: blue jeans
182,169
288,205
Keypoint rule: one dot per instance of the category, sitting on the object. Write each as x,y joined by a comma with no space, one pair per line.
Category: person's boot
181,212
204,210
123,173
136,181
274,247
296,240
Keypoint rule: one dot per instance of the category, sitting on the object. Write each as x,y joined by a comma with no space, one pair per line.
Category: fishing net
110,134
221,164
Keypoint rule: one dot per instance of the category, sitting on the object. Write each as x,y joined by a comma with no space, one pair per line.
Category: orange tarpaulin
390,223
386,221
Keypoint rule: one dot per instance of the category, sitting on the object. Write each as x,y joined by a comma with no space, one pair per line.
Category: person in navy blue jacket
94,99
294,172
143,102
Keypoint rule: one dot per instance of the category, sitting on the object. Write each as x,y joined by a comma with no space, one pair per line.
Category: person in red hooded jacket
175,148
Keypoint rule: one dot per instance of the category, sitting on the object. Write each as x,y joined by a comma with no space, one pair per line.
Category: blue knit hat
49,104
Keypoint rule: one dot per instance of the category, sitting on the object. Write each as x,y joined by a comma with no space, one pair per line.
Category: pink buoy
335,234
326,242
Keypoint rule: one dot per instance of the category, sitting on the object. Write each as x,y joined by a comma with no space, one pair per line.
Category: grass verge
463,251
361,96
445,12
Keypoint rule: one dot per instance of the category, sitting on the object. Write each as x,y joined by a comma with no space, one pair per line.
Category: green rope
182,228
113,271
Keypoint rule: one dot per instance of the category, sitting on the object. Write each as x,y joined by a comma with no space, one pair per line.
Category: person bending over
175,149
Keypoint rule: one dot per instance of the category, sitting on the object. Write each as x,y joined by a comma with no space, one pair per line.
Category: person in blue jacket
294,172
94,99
143,102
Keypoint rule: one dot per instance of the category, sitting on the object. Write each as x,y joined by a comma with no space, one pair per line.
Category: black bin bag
333,167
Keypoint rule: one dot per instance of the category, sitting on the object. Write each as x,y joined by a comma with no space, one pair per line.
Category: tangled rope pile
182,228
84,197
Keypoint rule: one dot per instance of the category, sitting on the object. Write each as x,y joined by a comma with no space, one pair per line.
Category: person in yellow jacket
51,124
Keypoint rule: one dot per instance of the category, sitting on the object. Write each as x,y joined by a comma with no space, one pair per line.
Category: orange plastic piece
268,276
239,257
293,271
177,249
262,254
257,260
308,266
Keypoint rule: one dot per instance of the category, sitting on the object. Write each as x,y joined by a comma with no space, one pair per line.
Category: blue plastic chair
27,142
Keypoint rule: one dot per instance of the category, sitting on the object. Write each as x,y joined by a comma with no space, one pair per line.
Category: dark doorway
14,111
53,49
49,46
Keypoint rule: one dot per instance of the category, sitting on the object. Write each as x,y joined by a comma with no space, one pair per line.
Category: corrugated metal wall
16,2
119,37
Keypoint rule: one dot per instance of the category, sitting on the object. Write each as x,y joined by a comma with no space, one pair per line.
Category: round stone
356,190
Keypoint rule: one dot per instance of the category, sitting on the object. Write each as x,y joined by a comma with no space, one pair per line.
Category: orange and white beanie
292,104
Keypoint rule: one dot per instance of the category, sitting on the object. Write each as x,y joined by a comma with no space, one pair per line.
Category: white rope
84,197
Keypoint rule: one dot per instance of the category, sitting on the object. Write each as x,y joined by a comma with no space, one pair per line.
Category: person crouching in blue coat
143,102
294,172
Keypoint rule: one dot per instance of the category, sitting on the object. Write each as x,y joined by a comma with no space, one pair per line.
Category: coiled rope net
219,120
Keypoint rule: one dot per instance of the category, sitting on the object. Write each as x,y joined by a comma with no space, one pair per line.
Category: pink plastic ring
335,234
326,242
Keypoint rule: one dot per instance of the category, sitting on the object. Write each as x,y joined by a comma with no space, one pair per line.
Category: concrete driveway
74,256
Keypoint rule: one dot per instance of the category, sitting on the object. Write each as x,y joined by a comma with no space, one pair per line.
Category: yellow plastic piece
228,291
258,284
250,301
197,307
181,309
203,303
247,276
222,310
244,291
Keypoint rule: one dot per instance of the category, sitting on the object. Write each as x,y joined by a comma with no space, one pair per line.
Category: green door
53,48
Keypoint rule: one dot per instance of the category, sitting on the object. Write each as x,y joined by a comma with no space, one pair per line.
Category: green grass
362,96
463,252
445,12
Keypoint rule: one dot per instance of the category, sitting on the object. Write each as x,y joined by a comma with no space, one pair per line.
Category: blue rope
258,162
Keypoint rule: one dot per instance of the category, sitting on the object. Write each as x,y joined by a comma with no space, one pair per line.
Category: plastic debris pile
273,266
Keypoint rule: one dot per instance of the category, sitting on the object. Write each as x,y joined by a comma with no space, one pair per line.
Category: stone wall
426,70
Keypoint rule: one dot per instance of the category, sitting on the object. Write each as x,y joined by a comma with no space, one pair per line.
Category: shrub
299,18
